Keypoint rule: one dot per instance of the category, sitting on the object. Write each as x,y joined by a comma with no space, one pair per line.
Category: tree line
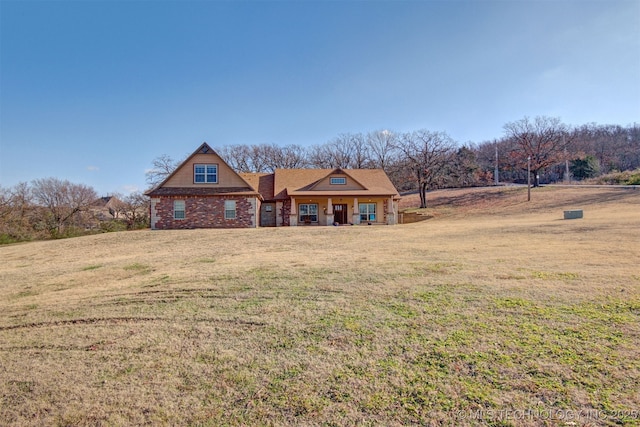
420,160
425,160
54,208
589,151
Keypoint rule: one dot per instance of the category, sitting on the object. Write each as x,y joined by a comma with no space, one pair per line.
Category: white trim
176,210
205,173
230,209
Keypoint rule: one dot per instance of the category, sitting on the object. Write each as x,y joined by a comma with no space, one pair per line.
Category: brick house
205,192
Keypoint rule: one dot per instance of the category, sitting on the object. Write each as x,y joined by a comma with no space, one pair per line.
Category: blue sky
92,91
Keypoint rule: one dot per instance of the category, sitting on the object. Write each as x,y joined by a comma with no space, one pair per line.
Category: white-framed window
205,174
338,180
308,212
229,209
367,211
178,209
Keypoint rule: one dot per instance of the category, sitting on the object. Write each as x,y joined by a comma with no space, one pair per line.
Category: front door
268,215
340,214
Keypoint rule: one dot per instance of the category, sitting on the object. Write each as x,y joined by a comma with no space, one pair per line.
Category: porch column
355,217
391,212
330,216
293,215
153,213
279,219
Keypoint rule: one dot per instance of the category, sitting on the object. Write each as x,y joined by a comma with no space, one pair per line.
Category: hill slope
482,312
513,199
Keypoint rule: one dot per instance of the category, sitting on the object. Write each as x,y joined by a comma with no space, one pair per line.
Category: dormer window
338,180
205,174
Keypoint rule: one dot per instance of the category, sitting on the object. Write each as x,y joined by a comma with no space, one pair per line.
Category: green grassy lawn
497,315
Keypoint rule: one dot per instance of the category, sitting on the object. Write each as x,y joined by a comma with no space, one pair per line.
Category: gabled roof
106,202
375,180
301,182
286,180
161,190
337,171
280,185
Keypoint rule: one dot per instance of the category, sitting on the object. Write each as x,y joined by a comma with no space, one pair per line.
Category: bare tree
62,200
631,156
542,141
361,158
15,201
286,157
340,151
162,167
383,148
134,208
263,157
347,151
428,156
9,216
5,202
257,157
237,156
293,157
18,213
320,157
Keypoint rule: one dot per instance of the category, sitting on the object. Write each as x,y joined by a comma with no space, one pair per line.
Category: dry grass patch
451,321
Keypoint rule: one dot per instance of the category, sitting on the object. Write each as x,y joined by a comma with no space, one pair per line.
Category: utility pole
566,162
529,179
496,174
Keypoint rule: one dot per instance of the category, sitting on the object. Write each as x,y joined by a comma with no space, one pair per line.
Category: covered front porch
342,211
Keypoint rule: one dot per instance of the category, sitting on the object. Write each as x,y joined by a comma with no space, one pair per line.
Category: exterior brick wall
205,212
385,209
